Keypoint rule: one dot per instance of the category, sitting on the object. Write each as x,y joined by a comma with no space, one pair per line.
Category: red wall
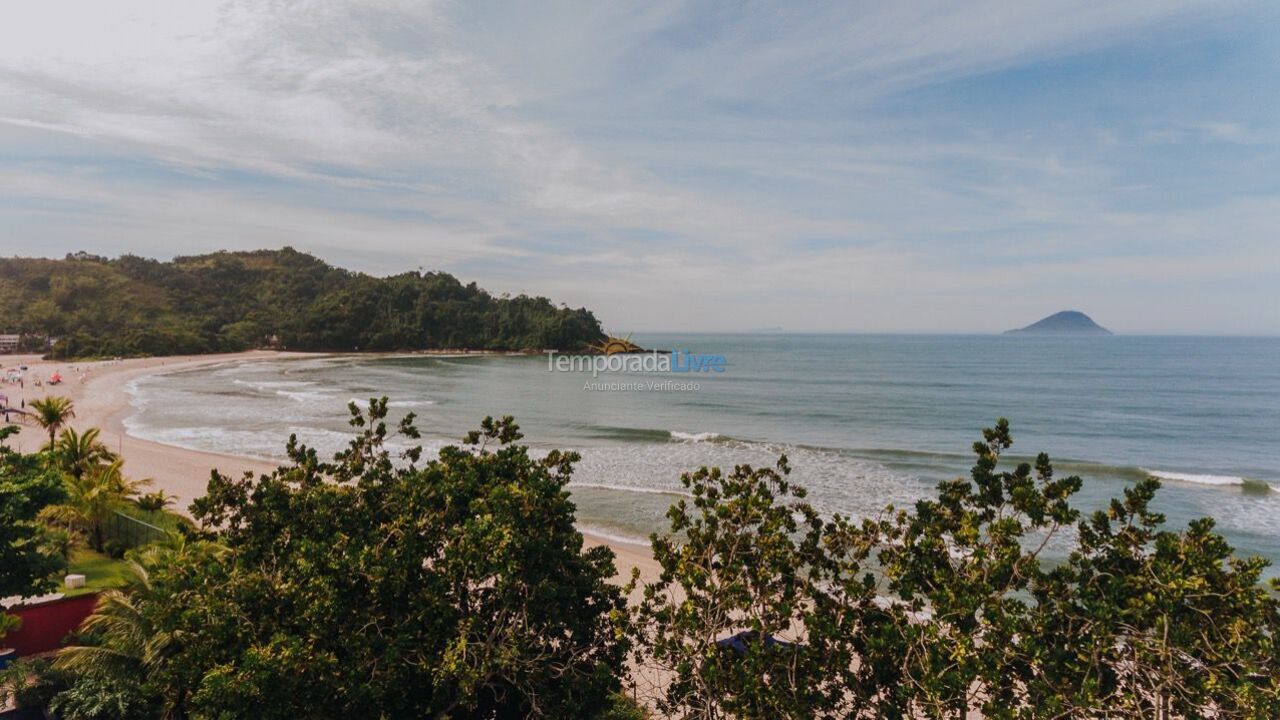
45,625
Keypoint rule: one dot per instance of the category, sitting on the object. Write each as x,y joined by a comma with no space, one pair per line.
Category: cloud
674,165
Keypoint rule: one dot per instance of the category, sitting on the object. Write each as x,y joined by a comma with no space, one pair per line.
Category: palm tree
130,646
92,499
51,413
76,453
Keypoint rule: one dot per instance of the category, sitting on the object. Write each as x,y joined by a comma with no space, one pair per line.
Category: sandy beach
98,390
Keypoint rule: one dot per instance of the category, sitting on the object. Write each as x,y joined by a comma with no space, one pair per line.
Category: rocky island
1067,322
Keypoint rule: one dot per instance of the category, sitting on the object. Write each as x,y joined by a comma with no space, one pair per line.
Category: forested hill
231,301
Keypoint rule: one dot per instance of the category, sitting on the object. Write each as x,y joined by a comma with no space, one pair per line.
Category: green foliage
945,611
154,502
967,559
622,707
236,301
76,453
374,587
95,697
1162,624
753,557
28,557
134,528
8,623
92,499
32,683
51,413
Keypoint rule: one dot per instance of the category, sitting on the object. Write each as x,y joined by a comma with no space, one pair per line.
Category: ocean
865,420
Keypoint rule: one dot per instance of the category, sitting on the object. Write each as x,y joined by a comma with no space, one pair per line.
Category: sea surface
865,420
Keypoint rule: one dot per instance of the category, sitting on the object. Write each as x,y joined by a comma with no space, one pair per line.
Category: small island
1067,322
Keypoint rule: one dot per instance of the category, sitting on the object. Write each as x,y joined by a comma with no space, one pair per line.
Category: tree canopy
948,609
229,301
371,586
378,585
27,559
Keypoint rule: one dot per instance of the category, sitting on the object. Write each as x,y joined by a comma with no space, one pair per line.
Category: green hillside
230,301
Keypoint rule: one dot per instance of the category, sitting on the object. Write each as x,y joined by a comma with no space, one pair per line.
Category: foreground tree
92,499
966,561
77,453
51,413
1158,624
28,557
121,645
753,616
945,610
371,587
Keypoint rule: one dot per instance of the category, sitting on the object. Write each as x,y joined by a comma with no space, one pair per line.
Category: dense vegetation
99,307
375,585
27,558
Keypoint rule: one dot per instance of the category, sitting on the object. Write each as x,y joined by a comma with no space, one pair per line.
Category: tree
966,560
77,453
154,501
944,610
27,558
120,645
1158,623
753,615
237,300
377,588
92,499
51,413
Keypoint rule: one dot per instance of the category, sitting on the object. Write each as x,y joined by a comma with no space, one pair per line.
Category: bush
8,623
32,683
153,501
459,588
944,611
114,549
95,697
622,707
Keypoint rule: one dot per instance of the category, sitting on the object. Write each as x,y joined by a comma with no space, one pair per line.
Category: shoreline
101,400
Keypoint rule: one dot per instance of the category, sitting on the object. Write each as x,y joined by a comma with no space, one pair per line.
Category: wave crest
1214,480
696,437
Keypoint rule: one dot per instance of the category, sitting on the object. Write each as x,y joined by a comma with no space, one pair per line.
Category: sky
677,166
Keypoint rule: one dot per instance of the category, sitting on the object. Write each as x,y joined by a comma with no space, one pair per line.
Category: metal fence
132,532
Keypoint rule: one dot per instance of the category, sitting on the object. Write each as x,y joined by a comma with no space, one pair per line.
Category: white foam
610,536
1196,479
304,395
364,403
629,489
263,384
695,437
242,443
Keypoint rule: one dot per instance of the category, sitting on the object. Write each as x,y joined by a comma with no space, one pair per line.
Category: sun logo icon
613,345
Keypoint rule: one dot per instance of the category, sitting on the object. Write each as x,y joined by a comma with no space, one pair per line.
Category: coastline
102,401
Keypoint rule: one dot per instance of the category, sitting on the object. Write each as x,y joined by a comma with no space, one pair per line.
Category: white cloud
599,153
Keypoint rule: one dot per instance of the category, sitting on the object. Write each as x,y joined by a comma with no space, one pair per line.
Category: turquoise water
865,420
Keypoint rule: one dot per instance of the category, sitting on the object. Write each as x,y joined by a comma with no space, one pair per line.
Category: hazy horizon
914,168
